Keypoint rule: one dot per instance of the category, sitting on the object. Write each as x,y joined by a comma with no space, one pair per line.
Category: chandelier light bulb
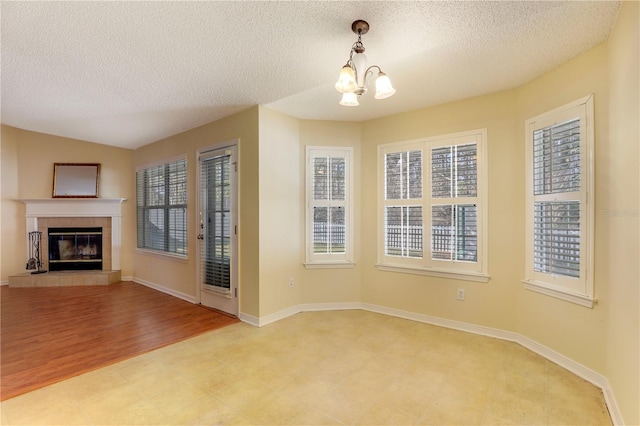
384,89
347,80
349,99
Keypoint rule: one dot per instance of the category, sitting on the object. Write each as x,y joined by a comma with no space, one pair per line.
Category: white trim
166,290
277,316
205,151
126,278
426,265
161,162
442,322
330,265
612,405
332,258
575,290
544,288
337,306
232,304
5,282
418,270
249,319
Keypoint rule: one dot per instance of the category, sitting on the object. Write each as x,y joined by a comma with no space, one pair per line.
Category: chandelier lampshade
349,99
347,80
384,89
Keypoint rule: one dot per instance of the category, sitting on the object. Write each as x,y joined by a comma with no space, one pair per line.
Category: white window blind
403,209
557,238
329,232
432,196
216,205
559,209
454,225
556,158
161,194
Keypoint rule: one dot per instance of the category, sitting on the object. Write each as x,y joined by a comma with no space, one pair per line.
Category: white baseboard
5,282
443,322
126,278
277,316
288,312
249,319
612,405
340,306
166,290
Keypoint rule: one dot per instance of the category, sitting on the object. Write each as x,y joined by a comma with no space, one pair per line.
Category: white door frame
225,302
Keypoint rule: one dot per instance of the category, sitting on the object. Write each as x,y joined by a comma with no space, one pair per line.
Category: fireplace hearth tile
65,279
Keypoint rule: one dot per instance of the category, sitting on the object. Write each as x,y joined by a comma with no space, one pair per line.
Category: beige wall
33,158
333,285
489,304
281,187
181,275
13,244
619,179
570,329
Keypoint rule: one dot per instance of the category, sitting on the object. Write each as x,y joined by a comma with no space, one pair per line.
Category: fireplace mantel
79,207
73,207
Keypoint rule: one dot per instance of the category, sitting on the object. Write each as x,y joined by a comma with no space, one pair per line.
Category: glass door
218,229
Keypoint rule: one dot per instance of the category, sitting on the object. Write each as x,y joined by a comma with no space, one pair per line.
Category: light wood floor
322,368
53,333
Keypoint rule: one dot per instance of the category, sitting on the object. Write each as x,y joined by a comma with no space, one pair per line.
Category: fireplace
105,213
68,217
75,249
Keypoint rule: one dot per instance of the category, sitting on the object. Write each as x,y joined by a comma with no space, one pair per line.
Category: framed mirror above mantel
76,180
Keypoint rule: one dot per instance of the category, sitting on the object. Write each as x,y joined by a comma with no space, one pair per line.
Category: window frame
576,290
462,270
329,260
143,207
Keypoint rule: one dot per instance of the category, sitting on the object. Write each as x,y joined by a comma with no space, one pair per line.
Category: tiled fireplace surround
42,214
44,223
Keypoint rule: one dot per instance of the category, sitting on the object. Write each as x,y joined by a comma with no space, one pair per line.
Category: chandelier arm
368,73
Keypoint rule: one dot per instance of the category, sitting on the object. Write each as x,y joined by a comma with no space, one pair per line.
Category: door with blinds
218,229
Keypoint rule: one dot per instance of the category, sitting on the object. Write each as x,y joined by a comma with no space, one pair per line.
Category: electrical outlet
460,295
290,282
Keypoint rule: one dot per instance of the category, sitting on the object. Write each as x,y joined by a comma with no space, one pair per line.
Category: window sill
170,256
417,270
543,288
330,265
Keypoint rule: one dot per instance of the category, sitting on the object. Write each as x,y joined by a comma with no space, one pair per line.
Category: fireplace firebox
75,249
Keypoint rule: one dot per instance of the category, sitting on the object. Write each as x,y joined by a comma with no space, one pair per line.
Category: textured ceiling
131,73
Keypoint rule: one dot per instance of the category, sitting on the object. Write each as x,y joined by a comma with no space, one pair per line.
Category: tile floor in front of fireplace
340,367
65,278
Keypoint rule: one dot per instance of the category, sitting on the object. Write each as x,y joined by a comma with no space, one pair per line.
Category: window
329,226
559,204
433,210
161,193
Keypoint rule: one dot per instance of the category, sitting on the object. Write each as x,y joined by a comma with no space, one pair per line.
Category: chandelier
354,75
